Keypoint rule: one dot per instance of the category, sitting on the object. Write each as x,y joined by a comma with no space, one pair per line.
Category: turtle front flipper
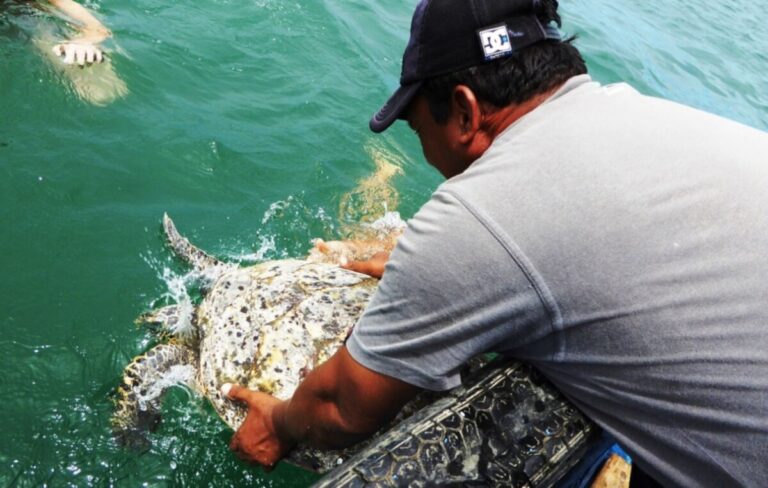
140,394
176,322
168,316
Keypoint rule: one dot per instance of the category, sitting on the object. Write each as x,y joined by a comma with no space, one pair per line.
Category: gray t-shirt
619,243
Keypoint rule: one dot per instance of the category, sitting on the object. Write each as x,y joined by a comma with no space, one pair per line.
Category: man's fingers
234,444
236,392
359,266
320,245
371,268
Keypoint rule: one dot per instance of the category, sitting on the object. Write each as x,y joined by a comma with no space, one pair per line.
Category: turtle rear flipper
197,258
145,381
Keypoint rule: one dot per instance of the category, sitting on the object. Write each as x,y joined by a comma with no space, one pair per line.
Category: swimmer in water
98,86
85,47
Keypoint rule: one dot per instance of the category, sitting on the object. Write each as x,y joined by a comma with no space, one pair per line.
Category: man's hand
339,403
343,253
257,440
372,267
80,52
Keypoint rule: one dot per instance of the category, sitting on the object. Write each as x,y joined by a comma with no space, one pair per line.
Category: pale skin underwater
80,58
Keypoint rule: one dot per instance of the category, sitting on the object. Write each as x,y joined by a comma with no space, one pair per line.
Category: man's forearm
314,422
338,404
329,414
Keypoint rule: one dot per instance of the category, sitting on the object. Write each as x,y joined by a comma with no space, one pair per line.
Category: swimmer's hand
84,49
81,52
372,267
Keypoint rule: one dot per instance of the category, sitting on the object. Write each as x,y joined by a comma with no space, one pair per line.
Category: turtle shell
267,325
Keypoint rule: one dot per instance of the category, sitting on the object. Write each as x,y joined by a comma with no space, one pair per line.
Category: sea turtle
263,326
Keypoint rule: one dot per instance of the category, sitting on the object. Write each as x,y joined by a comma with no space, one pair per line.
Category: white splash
388,223
266,248
177,292
177,375
276,207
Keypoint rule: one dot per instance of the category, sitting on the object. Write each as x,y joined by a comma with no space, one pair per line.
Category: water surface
247,122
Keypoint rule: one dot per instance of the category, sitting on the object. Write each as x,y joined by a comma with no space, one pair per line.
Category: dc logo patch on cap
495,42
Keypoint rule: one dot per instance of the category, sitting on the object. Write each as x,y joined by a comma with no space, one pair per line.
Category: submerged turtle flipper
197,258
140,394
168,316
172,322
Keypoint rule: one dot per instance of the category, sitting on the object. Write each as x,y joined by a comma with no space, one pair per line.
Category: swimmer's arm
84,48
338,404
91,29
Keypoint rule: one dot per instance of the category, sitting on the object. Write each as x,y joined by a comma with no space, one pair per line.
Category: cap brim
393,109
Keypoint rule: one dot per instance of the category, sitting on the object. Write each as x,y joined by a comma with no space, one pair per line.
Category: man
617,242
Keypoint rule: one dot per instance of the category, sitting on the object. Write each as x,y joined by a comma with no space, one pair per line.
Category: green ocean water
247,122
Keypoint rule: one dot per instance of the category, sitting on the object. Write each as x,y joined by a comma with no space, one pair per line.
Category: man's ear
467,112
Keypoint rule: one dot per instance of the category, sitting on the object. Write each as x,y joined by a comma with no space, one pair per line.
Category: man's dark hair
514,79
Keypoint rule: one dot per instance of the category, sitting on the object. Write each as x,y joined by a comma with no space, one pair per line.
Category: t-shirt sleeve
451,290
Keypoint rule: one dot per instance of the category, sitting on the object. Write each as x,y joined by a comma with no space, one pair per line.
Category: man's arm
372,267
338,404
350,255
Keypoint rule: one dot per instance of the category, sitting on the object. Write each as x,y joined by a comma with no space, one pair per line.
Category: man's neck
496,122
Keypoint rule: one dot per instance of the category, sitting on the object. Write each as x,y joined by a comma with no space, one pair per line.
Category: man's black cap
450,35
